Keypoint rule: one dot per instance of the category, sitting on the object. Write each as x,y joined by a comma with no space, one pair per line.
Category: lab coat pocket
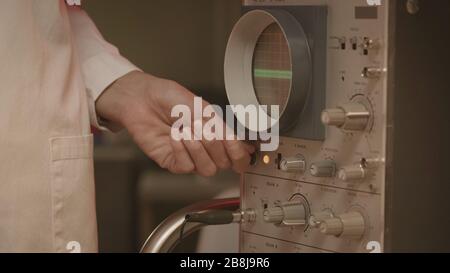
73,194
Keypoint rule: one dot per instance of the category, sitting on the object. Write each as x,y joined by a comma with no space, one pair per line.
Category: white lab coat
54,65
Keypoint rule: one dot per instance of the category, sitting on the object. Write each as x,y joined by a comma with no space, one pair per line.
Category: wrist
112,105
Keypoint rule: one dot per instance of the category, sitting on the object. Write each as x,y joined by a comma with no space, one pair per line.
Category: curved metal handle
167,235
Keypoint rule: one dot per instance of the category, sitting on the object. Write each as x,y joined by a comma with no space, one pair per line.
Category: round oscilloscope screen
272,68
268,62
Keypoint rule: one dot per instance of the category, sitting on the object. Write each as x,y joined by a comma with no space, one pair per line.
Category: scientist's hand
143,103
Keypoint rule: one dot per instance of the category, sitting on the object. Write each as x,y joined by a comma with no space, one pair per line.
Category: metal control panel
327,195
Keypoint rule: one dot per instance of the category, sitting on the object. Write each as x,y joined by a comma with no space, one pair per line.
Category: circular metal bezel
238,66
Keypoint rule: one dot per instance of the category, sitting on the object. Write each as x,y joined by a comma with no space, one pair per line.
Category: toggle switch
368,43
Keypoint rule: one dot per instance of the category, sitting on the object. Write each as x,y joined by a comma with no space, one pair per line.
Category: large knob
292,213
349,224
295,164
325,168
274,215
349,117
352,173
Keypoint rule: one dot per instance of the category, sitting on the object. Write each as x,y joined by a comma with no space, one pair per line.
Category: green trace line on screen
272,74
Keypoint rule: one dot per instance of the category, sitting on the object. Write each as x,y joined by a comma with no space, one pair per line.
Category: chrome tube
167,235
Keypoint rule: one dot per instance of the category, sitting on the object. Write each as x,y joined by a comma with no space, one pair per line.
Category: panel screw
412,6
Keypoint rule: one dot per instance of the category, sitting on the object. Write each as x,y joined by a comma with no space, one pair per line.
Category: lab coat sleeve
101,62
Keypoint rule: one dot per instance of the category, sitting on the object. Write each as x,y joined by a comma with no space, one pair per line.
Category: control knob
348,117
371,72
293,213
352,173
295,164
350,224
325,168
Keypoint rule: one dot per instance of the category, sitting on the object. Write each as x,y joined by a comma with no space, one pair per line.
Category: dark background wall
183,40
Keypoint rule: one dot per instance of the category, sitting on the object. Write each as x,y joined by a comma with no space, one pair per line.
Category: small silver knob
325,168
296,164
371,72
352,173
352,116
349,224
332,226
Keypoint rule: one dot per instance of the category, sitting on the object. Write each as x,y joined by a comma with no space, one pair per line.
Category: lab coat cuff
99,72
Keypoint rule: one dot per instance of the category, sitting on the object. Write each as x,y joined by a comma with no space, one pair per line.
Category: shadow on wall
183,40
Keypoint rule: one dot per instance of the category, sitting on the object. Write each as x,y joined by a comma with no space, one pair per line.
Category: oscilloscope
363,158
